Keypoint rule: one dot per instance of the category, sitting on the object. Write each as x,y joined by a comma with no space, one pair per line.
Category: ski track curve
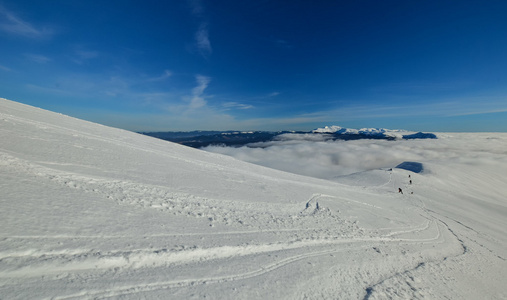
127,290
39,263
307,246
402,284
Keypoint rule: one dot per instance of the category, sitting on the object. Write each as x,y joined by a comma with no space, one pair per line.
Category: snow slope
90,211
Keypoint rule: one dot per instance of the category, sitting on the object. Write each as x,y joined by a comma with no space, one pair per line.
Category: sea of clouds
318,156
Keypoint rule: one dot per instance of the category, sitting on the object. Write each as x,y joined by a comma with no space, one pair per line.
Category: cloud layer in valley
319,158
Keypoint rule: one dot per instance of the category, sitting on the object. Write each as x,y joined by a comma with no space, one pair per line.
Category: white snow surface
92,212
367,131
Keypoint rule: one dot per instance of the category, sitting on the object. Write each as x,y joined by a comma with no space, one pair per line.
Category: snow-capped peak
335,129
343,130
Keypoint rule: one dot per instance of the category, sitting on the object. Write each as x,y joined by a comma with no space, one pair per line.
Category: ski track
440,217
401,276
403,284
83,261
264,269
199,281
94,259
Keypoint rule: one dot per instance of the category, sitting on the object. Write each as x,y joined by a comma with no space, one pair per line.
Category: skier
400,191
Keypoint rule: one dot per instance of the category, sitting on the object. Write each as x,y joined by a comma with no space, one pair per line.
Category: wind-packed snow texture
89,211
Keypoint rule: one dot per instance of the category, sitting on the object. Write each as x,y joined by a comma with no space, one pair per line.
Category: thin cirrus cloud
447,108
202,39
41,59
4,68
165,75
82,55
236,105
197,100
12,24
196,7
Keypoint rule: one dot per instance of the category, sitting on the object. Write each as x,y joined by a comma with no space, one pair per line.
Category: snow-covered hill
343,130
90,211
374,132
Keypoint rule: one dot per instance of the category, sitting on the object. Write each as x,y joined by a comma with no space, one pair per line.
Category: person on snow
400,191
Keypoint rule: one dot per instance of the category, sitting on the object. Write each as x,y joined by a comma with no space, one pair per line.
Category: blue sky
260,65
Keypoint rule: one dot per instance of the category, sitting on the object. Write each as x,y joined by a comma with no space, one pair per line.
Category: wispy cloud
4,68
475,106
202,39
273,94
299,122
236,105
196,7
166,74
154,99
48,90
197,100
366,113
41,59
82,55
445,107
14,25
420,87
87,54
481,112
442,108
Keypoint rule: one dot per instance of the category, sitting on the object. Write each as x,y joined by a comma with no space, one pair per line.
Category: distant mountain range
199,138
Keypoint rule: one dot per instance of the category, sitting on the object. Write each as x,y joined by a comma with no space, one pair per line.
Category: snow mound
366,178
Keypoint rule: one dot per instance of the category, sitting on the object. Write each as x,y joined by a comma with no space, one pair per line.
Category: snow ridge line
124,143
